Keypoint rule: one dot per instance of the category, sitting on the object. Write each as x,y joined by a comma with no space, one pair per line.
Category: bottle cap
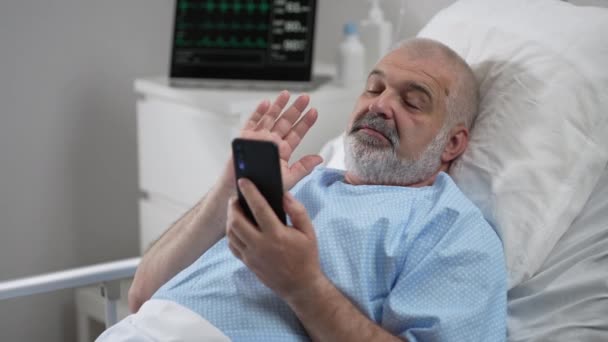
350,29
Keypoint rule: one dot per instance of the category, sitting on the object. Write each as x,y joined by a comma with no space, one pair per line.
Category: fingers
240,232
268,119
235,250
285,122
234,240
262,212
294,137
257,114
287,129
299,216
304,166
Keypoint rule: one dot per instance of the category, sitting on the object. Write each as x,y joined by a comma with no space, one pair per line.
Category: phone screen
258,161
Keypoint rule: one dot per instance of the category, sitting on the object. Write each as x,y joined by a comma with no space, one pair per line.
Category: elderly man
389,250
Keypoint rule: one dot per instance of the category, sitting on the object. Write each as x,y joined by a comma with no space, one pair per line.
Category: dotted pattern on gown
421,262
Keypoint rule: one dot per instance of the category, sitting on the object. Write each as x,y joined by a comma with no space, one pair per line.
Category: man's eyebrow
377,72
410,85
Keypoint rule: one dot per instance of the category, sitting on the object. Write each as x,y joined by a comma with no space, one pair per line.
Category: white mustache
375,122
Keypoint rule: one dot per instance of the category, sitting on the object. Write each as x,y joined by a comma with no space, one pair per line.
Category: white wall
68,163
67,143
333,14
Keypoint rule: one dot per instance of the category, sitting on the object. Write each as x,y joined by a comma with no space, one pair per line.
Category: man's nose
382,105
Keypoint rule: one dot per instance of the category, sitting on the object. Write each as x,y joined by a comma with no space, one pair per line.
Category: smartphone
258,161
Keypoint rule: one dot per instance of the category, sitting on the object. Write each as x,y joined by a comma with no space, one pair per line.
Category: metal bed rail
107,275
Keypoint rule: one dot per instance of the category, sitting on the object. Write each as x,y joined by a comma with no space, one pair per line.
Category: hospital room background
68,134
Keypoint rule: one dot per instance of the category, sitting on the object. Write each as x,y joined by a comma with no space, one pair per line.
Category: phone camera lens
241,165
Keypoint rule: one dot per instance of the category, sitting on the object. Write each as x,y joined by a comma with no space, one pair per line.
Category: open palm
285,128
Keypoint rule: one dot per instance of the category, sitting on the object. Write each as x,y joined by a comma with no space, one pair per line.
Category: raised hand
286,128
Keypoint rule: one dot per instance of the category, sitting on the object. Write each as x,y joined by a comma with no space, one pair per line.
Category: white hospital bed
561,292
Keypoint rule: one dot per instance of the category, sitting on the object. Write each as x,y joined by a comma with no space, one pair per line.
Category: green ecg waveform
223,24
233,25
225,6
232,42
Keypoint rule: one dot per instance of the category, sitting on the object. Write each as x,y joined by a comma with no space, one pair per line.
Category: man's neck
353,179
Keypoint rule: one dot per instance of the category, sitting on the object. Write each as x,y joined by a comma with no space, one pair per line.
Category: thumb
297,213
302,168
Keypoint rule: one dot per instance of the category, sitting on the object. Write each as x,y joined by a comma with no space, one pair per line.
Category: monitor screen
243,39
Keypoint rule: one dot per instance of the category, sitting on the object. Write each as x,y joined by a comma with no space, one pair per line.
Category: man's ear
457,144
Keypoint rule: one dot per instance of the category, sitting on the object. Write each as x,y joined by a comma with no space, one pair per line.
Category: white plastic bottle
376,35
351,58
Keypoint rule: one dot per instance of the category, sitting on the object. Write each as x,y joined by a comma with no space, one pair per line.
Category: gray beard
376,163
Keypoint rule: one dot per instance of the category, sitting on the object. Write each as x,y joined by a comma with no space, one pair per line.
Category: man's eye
374,91
411,105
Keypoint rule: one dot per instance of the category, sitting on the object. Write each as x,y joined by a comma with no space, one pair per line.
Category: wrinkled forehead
404,65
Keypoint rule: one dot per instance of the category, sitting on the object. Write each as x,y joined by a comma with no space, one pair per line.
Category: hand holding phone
258,161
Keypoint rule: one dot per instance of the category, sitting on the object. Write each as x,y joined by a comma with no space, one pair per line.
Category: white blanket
162,320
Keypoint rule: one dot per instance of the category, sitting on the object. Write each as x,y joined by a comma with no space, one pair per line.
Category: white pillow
333,153
540,142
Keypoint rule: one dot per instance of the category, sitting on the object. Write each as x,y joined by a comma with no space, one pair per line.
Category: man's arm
328,315
286,259
204,224
194,233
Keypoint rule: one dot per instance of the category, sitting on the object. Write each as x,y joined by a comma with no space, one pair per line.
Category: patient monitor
254,43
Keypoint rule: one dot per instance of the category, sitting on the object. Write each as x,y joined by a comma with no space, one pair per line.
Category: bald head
413,117
462,101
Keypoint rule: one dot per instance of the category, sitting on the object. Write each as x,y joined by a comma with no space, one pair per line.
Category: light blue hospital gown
421,262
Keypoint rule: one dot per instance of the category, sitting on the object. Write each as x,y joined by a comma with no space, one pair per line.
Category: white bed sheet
567,300
162,320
